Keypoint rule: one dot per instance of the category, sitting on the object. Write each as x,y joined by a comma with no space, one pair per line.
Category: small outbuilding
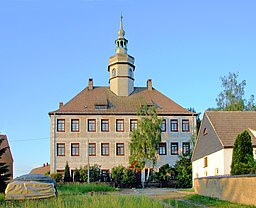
213,151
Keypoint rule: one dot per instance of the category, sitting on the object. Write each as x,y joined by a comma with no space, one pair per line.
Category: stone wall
239,189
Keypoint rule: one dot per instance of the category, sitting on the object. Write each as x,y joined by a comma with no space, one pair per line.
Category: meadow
98,196
84,195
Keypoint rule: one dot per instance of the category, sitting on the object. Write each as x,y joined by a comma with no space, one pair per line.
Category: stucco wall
219,163
239,189
112,137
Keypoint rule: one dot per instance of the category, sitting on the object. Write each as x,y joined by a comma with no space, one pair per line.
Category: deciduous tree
232,97
146,138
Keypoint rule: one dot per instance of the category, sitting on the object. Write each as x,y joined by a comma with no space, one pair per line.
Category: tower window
113,72
130,72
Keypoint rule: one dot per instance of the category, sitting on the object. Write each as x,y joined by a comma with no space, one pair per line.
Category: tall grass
95,201
78,188
193,200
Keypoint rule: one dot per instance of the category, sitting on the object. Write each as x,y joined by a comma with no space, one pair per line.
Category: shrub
165,173
57,177
83,174
76,175
123,176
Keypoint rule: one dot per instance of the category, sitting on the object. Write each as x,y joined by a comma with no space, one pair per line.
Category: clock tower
121,67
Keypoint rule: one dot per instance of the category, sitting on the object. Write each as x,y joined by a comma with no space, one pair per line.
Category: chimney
90,84
43,165
47,164
60,104
149,84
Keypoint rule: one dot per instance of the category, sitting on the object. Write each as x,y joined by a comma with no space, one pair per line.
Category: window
185,148
216,171
174,148
104,125
130,72
205,162
119,125
163,126
91,125
162,148
74,125
185,125
120,149
60,149
60,125
113,72
133,124
205,132
92,149
174,125
105,149
75,149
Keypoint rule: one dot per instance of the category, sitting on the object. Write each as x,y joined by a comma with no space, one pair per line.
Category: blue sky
49,49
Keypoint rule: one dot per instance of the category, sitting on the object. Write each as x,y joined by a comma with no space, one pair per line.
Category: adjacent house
41,170
214,147
7,156
94,127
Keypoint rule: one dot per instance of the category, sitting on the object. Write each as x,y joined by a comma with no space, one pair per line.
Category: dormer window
113,72
101,107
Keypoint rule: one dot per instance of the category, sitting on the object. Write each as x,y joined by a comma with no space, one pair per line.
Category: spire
121,42
121,31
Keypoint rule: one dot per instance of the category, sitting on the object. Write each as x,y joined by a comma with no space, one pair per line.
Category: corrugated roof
86,100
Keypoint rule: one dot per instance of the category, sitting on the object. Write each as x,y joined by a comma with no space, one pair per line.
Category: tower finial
121,42
121,31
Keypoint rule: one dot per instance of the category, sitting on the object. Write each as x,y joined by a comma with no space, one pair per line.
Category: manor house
95,125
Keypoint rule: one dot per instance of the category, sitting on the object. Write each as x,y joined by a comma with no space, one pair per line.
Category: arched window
113,72
205,132
130,72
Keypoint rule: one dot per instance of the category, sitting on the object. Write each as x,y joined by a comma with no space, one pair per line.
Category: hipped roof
86,100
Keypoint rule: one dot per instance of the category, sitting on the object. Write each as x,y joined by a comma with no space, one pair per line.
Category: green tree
242,158
146,138
183,171
67,177
198,120
232,97
4,176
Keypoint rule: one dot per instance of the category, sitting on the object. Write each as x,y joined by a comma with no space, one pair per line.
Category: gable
228,124
7,156
208,141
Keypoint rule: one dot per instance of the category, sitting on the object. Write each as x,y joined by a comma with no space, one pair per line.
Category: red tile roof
41,170
85,101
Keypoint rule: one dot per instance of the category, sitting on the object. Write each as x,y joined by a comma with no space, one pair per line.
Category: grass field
193,200
76,196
